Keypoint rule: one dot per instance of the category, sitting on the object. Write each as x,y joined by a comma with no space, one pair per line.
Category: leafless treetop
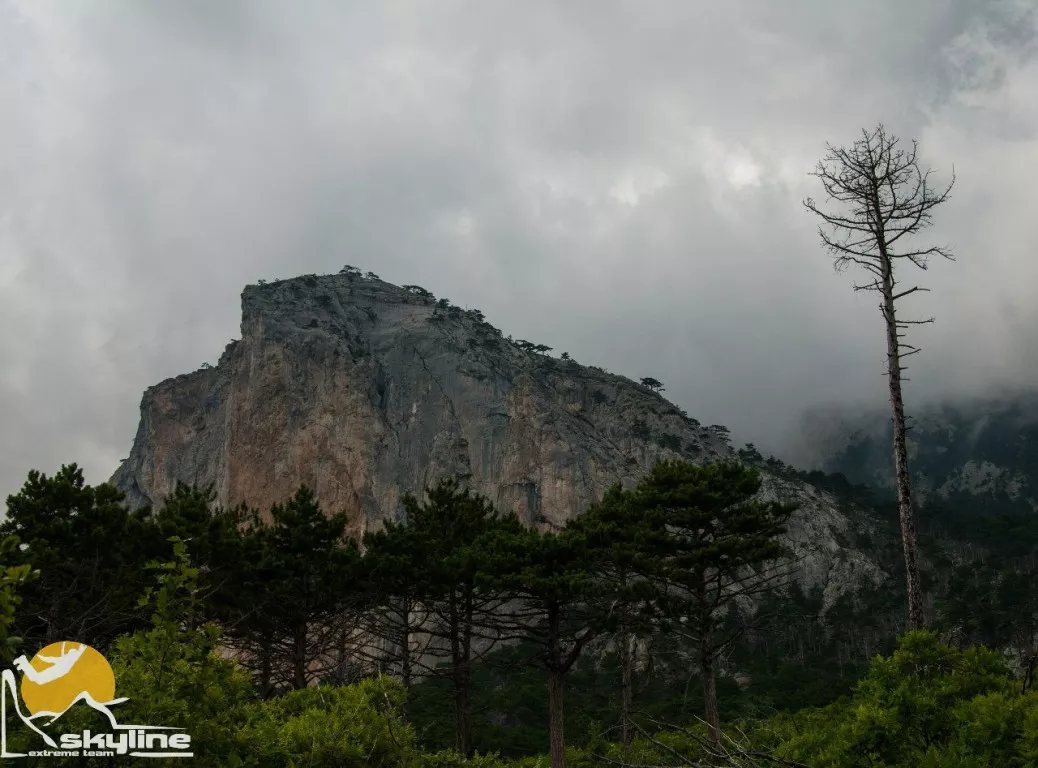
886,197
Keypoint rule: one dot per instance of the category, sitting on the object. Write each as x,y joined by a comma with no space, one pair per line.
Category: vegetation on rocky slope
488,611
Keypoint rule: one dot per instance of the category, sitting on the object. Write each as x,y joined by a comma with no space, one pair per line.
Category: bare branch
908,292
901,323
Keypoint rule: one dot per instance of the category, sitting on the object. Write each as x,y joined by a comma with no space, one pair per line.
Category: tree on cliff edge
884,199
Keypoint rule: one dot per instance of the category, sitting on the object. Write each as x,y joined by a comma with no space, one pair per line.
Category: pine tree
301,595
556,609
718,546
90,551
625,549
463,609
395,588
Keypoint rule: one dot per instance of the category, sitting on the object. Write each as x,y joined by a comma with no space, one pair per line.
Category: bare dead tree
884,198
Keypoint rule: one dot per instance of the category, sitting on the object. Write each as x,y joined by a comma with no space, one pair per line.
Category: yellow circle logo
63,672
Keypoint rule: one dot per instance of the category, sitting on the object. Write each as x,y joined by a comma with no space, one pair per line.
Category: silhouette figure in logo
59,665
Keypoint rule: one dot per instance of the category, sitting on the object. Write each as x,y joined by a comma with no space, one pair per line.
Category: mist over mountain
976,452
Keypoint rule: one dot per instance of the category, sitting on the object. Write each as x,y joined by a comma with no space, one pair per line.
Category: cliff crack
436,381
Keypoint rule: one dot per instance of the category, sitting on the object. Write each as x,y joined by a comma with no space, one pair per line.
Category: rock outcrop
364,390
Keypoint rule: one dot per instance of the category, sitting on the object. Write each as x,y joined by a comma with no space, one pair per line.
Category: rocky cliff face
364,391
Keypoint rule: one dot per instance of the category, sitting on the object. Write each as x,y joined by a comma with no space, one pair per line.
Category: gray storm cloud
618,180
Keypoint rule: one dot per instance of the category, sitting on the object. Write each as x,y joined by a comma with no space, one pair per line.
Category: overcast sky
619,180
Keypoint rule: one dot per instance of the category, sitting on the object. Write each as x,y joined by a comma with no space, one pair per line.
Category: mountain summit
363,391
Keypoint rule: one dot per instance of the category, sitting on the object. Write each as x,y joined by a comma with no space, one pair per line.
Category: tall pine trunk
464,682
463,740
627,693
405,656
706,669
706,661
266,673
460,639
556,718
556,691
909,537
299,656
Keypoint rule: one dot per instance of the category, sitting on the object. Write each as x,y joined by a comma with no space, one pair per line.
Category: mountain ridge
365,391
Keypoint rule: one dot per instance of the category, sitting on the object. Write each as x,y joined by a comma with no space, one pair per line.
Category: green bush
927,706
343,726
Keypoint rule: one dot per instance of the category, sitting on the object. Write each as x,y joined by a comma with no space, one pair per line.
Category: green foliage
12,578
174,674
281,590
710,532
437,556
670,442
294,586
654,384
334,727
452,759
640,429
192,515
418,290
553,577
750,454
89,549
928,704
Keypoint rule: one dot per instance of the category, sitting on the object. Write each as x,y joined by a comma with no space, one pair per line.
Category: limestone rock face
819,535
364,391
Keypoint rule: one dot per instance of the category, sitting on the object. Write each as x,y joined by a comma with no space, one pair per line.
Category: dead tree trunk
885,198
906,514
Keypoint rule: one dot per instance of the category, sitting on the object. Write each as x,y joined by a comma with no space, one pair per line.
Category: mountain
364,390
979,454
